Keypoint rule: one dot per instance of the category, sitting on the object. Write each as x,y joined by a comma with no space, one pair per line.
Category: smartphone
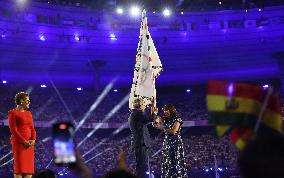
63,144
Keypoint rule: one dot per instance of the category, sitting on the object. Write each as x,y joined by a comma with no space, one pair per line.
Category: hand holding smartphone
63,144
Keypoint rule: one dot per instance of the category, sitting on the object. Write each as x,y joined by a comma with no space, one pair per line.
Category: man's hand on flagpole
158,123
155,110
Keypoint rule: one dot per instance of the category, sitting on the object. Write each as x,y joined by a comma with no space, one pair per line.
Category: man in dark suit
138,121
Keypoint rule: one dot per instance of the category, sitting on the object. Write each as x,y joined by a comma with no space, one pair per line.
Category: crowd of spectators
70,104
199,152
100,150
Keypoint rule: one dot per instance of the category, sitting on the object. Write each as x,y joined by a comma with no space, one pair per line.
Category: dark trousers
141,161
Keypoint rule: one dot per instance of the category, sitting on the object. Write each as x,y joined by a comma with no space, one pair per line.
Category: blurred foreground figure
263,157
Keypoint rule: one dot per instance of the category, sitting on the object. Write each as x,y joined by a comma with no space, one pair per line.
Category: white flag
148,66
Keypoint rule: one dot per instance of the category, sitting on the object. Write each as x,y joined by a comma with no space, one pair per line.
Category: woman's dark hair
20,96
171,108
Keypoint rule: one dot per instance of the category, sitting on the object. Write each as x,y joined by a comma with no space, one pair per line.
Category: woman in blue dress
173,164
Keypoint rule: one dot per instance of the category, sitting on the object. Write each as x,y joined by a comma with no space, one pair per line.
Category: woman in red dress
23,136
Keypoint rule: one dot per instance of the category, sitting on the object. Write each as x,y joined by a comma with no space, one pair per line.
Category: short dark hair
20,96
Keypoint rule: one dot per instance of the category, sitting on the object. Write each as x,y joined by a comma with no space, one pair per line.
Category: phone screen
63,144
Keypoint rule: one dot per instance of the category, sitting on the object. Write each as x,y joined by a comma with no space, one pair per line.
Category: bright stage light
4,81
265,86
21,2
41,37
166,12
134,11
119,10
112,36
77,37
43,86
79,89
3,35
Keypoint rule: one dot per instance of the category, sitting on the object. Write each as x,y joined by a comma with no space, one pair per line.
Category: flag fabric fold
147,67
235,109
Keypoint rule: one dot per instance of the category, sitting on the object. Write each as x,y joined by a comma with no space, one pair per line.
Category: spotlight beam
97,155
63,102
92,108
6,163
6,155
113,111
108,116
95,104
42,108
3,147
62,171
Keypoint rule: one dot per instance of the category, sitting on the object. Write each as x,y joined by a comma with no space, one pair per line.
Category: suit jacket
138,122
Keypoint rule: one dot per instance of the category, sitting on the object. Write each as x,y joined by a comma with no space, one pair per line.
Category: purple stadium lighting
231,89
112,36
21,2
188,91
166,12
259,10
3,35
181,12
77,37
265,86
41,37
115,90
79,89
4,81
119,10
220,169
134,11
220,2
246,10
43,86
154,12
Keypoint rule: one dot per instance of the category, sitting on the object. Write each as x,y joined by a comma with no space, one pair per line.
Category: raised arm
174,129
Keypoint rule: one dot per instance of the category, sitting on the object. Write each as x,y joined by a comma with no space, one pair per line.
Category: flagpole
263,107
